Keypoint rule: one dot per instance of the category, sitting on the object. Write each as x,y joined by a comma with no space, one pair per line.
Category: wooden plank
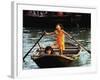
65,51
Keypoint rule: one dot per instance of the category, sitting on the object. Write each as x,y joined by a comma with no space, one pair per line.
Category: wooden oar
34,45
78,43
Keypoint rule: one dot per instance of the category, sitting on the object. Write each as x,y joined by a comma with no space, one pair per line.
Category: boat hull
52,61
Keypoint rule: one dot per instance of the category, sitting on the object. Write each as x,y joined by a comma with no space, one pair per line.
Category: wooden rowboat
56,60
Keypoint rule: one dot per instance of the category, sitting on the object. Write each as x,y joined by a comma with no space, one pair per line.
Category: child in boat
49,50
60,37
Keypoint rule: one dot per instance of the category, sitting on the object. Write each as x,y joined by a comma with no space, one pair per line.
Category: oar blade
89,51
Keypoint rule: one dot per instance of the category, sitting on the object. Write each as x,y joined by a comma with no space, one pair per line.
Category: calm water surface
31,36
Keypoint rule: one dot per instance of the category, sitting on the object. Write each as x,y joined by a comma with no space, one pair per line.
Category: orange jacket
60,39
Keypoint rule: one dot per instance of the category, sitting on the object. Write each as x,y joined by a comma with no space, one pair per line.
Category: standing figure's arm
50,33
67,34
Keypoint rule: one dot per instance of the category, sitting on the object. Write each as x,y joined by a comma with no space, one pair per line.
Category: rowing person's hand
46,33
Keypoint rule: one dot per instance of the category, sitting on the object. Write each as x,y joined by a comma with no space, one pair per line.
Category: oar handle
34,45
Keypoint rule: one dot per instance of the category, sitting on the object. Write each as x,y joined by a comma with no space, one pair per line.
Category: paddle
33,46
78,43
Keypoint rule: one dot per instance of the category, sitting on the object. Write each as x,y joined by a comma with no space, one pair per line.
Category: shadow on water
31,36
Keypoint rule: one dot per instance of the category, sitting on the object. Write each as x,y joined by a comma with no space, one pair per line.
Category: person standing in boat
60,37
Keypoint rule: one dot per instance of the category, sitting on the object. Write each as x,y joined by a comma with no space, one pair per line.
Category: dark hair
49,48
60,25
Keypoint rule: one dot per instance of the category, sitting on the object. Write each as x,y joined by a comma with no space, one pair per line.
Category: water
31,36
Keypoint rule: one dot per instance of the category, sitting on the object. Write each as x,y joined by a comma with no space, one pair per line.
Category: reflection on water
31,36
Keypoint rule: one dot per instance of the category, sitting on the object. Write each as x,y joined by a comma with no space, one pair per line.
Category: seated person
49,50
